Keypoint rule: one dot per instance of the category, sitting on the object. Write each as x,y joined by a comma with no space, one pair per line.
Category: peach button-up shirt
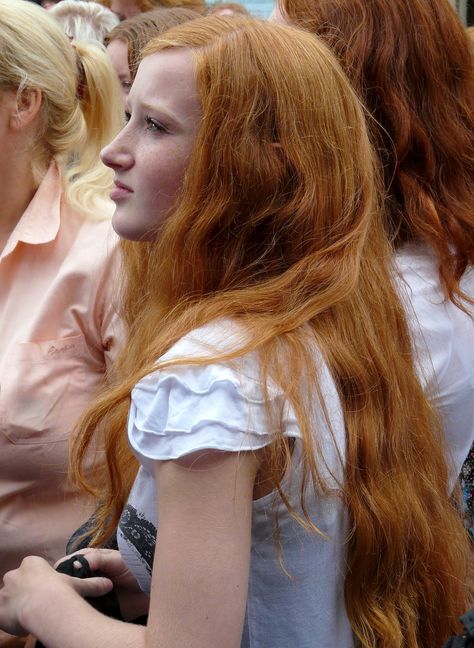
58,329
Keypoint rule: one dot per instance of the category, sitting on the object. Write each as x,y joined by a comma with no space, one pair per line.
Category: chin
130,233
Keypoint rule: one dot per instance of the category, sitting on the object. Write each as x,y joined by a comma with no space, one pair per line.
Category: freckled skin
151,154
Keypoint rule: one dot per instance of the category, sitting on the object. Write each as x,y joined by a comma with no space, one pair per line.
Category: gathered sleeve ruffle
186,408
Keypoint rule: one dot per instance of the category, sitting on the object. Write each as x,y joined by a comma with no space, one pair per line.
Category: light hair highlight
84,21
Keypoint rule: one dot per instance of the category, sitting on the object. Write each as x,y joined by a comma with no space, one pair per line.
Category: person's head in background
83,20
227,9
125,42
78,99
129,8
411,64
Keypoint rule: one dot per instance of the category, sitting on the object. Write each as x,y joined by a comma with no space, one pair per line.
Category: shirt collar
41,219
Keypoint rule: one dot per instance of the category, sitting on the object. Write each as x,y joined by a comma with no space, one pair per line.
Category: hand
35,582
111,565
109,562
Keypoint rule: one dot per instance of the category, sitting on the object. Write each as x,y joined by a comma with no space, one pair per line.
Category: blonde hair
81,106
278,226
83,20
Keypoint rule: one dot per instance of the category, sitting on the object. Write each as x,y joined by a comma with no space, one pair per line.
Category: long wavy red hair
278,226
411,64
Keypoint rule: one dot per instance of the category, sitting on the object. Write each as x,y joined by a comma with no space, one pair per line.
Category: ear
28,104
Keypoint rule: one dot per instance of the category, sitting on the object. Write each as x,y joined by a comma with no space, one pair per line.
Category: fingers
91,587
95,557
108,561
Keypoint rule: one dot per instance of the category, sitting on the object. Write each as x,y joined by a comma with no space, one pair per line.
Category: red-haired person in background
411,64
293,487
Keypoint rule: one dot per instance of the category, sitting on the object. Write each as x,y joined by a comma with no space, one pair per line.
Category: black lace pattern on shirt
140,533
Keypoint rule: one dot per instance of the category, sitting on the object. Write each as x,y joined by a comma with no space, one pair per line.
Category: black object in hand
107,604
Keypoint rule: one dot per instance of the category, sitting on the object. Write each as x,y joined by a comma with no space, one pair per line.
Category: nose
117,154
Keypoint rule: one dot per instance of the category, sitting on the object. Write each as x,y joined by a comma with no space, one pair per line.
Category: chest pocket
41,390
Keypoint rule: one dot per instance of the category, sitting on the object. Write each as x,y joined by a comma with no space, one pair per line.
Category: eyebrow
157,108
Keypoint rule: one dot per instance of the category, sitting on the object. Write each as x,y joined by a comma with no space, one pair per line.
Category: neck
17,188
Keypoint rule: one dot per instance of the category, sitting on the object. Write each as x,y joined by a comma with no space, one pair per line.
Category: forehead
167,79
118,53
127,8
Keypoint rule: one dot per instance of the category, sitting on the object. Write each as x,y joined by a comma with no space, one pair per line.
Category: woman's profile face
151,154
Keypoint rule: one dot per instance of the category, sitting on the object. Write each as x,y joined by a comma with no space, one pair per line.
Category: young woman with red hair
293,488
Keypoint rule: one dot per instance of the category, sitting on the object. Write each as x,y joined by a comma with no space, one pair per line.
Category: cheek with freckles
155,193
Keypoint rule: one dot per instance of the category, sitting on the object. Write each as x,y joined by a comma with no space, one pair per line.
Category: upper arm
202,559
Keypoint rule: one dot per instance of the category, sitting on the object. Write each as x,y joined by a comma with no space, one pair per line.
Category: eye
155,125
126,85
128,117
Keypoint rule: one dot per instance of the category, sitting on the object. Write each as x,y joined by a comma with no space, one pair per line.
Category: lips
120,191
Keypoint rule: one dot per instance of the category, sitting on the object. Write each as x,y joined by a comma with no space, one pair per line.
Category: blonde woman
287,451
58,106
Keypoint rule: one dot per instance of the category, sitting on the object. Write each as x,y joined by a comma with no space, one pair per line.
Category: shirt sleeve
184,409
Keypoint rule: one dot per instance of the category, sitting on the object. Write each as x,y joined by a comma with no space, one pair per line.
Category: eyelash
151,124
154,125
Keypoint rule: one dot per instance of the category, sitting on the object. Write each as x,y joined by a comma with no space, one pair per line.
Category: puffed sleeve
182,409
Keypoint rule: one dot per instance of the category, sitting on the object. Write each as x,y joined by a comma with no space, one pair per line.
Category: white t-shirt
443,337
181,409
